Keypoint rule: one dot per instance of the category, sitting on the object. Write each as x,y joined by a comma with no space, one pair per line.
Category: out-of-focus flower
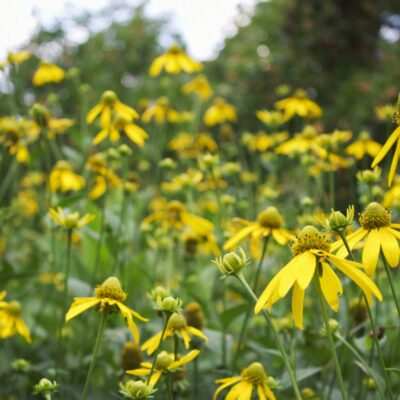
299,104
70,221
111,296
173,61
363,145
63,178
161,111
164,363
252,378
385,112
188,145
200,86
48,73
136,390
11,321
58,126
219,112
177,325
271,118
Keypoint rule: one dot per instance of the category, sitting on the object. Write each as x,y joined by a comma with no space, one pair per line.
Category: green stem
9,178
95,352
248,312
176,347
392,287
360,358
332,188
166,319
275,333
99,241
169,387
372,322
330,339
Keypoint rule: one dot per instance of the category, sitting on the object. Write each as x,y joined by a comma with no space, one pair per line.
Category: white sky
202,23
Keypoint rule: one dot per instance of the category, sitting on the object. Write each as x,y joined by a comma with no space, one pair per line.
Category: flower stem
166,319
330,339
99,240
372,322
95,352
275,333
248,312
392,287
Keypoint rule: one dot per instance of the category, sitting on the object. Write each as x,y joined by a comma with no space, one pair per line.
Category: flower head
45,387
232,263
11,321
312,257
252,378
220,112
173,61
64,179
70,221
136,390
165,362
200,86
109,295
299,104
48,73
177,325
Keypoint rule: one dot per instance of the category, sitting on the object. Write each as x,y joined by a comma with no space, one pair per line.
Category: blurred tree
344,52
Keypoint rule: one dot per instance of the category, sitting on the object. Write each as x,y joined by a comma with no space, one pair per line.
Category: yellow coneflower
63,178
271,118
11,321
70,221
109,295
393,138
48,73
219,112
252,379
174,215
200,86
173,61
177,325
299,104
269,223
311,251
362,146
18,57
161,111
108,105
379,233
165,362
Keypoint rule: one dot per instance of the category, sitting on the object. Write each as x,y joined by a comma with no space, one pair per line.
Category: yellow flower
188,145
165,362
177,325
63,179
259,142
379,233
393,138
385,112
196,243
271,118
364,145
219,112
174,60
174,215
311,251
251,378
58,126
48,73
109,295
187,180
299,104
161,111
19,57
122,123
70,221
11,321
110,104
269,223
306,141
200,86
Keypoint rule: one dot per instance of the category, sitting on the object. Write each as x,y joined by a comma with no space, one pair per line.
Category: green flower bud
169,304
232,263
136,390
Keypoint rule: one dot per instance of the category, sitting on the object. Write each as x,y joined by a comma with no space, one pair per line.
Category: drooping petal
225,383
351,269
268,392
288,276
197,332
238,237
371,250
184,360
386,147
297,305
331,286
236,391
393,165
305,269
268,293
94,112
79,307
390,246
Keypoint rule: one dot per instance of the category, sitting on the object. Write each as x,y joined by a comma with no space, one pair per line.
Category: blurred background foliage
344,53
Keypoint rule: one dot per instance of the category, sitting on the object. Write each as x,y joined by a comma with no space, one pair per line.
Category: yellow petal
297,305
331,286
386,147
93,113
305,269
81,305
393,165
238,237
288,276
371,252
390,246
227,382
